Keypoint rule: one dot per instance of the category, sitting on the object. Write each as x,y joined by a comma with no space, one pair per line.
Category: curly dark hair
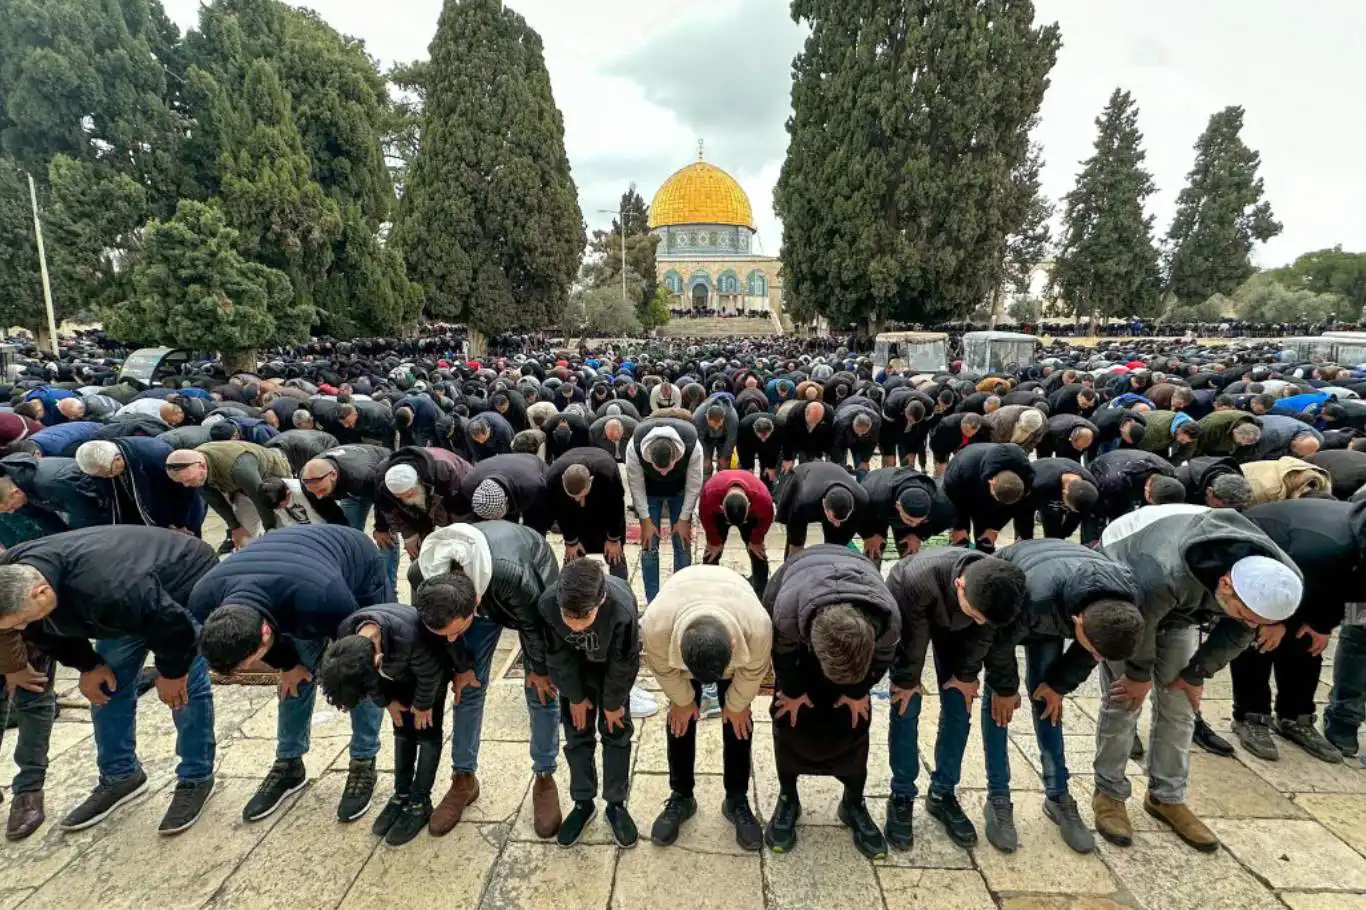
347,672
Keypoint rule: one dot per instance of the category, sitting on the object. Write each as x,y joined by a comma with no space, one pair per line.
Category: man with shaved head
231,475
341,485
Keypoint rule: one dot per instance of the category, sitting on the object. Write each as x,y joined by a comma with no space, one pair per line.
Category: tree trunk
870,326
239,361
43,337
478,344
996,301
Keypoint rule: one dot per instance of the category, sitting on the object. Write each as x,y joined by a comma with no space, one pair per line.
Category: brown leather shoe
1183,821
25,815
1112,820
545,806
463,792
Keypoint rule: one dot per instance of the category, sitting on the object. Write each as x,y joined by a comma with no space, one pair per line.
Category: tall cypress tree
489,222
1107,264
910,121
1219,215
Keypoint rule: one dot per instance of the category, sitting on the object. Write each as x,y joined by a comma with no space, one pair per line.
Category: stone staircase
715,327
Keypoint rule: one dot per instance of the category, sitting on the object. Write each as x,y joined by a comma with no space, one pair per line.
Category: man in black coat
511,487
1127,480
55,486
908,502
470,582
341,485
1215,481
588,501
1063,495
593,655
905,427
1347,468
758,444
858,425
808,432
1073,593
299,446
948,599
985,482
279,601
820,492
612,434
565,431
489,435
125,588
835,629
1067,436
1326,540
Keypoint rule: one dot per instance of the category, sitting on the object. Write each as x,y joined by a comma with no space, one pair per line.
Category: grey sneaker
1000,819
1063,813
1302,732
1254,732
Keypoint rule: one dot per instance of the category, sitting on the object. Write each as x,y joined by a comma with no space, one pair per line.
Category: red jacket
760,504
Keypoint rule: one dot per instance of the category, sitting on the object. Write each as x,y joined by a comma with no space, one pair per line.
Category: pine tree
191,288
1107,264
21,289
1219,215
910,121
489,221
635,211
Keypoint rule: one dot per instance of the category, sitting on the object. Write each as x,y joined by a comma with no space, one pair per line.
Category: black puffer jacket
1121,475
411,664
818,577
611,643
965,482
299,446
522,478
1062,579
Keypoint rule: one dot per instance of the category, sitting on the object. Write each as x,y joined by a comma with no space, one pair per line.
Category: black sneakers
1211,742
388,815
748,834
571,829
287,776
359,790
409,823
1302,732
867,835
677,810
107,796
187,804
945,808
781,833
623,825
900,831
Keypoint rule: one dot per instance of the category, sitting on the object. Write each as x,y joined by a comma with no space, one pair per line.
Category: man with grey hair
123,587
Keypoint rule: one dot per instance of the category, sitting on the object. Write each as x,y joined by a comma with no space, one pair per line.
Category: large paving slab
1293,855
933,889
1162,873
823,871
548,877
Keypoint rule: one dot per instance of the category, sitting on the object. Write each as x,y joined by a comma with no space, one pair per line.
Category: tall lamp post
42,264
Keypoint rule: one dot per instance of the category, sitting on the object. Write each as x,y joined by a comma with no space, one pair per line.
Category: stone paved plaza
1293,832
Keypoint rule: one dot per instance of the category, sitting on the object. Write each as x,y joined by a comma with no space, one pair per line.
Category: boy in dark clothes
593,653
383,654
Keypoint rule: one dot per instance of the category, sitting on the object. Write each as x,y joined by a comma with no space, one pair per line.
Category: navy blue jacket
304,581
64,439
144,484
422,431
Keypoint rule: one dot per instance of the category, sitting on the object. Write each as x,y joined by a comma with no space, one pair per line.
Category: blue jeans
903,741
115,723
467,718
1347,703
1039,656
357,512
649,556
294,722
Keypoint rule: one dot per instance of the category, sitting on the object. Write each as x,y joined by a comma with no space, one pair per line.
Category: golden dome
701,193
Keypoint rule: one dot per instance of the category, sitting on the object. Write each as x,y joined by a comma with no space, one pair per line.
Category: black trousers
407,728
735,753
1297,676
580,747
758,568
796,533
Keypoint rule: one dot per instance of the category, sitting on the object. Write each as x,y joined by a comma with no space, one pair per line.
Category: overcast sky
640,81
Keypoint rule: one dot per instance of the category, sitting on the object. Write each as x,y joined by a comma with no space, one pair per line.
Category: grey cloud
727,79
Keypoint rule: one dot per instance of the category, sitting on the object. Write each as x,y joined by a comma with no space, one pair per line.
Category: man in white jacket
707,626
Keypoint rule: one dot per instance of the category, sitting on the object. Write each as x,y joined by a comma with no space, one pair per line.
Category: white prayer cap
401,478
1270,588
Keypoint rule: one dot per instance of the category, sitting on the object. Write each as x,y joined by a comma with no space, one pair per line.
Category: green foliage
656,311
489,222
1215,309
909,132
605,313
635,211
1264,299
1219,215
1329,272
93,221
21,289
190,287
1025,310
403,121
1107,264
1030,241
